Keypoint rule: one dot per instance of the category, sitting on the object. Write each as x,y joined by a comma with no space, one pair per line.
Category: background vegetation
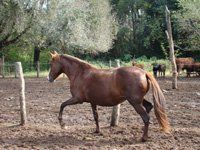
97,30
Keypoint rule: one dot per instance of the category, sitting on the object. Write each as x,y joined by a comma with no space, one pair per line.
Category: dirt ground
42,131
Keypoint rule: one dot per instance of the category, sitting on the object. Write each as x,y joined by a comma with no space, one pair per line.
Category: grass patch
34,74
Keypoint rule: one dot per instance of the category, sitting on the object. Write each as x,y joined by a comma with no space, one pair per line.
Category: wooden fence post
19,74
171,46
116,109
38,69
110,63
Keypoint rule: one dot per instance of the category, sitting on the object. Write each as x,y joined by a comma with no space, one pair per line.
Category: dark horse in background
109,87
159,69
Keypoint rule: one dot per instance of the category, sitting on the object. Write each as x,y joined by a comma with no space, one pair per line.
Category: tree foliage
124,28
15,21
189,22
81,25
145,20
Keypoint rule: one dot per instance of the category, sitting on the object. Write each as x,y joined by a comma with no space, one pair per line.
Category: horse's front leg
96,117
71,101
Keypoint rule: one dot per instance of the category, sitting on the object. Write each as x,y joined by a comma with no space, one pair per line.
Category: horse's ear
55,55
52,55
55,52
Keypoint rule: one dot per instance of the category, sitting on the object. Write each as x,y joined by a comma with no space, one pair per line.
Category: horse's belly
110,102
103,92
106,100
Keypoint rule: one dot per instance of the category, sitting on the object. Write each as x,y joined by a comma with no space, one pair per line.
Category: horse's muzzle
50,79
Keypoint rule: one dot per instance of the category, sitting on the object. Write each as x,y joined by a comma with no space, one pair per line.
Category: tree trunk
36,56
38,69
171,46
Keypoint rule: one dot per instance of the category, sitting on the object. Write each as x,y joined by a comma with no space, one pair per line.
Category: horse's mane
79,61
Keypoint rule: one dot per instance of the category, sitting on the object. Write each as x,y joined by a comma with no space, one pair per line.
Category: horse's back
130,74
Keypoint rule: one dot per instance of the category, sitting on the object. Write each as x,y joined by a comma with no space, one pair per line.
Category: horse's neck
72,68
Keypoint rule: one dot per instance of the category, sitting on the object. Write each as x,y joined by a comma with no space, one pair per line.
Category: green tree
130,14
189,24
85,26
146,20
15,21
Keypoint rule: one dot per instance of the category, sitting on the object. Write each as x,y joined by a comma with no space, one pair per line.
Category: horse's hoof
96,132
143,139
142,128
63,126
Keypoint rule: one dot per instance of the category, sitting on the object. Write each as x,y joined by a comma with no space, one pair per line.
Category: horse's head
55,67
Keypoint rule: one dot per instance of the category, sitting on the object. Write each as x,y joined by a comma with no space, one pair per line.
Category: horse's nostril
51,80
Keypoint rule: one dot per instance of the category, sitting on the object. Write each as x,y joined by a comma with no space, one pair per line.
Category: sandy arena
42,131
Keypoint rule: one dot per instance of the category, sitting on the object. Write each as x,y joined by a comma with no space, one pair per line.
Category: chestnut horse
109,87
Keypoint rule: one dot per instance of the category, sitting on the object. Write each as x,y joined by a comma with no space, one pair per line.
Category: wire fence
29,69
7,70
39,69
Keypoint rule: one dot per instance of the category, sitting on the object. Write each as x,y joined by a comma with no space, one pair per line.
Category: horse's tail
159,104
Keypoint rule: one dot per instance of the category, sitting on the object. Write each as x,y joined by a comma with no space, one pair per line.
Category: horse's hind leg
148,106
144,115
71,101
96,117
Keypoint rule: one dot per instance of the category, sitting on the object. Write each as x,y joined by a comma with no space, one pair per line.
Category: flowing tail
159,104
